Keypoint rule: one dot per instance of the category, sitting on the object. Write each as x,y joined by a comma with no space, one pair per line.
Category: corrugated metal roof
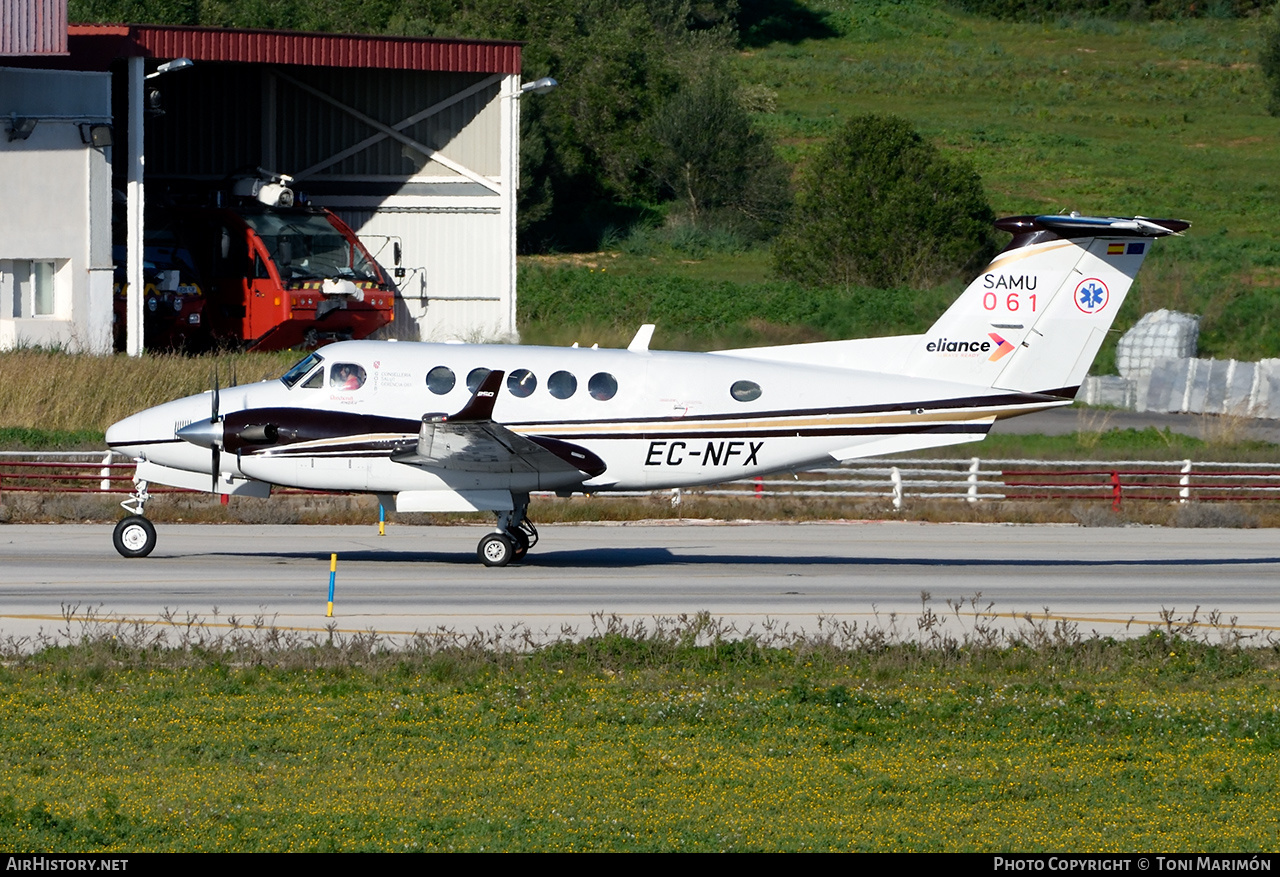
33,27
98,44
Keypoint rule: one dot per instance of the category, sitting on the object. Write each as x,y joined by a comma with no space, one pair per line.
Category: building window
34,290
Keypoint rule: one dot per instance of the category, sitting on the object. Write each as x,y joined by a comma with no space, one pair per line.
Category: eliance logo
1000,349
1003,348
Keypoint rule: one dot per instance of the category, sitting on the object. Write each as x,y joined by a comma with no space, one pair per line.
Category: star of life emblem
1092,295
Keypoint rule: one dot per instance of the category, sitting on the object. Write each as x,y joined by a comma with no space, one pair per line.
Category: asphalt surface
426,579
1065,421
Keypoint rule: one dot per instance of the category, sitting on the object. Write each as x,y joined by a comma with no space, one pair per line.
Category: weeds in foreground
958,632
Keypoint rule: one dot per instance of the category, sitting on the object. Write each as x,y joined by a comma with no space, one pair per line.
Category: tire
521,541
496,549
134,536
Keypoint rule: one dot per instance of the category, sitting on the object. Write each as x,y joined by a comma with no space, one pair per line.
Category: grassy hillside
1160,118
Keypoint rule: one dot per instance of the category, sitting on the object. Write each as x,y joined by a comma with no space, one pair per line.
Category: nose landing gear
135,536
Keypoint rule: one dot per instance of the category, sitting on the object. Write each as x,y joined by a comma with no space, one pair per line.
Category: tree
1269,58
712,159
881,207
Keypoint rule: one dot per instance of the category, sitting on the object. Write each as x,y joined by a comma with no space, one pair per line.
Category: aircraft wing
471,441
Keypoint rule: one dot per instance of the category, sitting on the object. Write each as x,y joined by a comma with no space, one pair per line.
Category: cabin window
522,382
476,378
562,385
440,380
745,391
602,386
316,381
346,376
299,371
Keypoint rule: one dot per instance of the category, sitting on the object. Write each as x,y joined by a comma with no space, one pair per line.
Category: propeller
208,433
216,446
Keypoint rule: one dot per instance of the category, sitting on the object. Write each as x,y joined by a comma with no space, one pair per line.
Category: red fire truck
259,272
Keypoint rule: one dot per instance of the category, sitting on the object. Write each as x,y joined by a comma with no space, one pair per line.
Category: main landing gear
135,536
513,539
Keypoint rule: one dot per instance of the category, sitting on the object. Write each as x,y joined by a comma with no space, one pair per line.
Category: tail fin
1034,320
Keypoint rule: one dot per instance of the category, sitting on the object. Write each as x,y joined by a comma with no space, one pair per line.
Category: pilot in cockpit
346,376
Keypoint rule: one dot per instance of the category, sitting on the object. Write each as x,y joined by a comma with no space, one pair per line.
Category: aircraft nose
127,434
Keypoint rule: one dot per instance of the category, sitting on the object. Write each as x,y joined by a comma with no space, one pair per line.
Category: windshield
299,371
307,246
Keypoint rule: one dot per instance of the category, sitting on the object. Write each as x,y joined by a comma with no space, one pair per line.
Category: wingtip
480,406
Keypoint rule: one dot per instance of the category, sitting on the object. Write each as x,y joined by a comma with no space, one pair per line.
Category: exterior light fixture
171,67
539,86
98,136
20,128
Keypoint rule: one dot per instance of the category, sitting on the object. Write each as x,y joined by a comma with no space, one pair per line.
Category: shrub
715,163
1269,59
882,207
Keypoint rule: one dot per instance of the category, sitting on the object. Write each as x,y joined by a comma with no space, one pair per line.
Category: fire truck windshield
306,246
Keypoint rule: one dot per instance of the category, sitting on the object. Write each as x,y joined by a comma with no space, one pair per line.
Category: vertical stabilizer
1033,321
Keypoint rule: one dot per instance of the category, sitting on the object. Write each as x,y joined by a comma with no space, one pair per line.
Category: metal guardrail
897,480
977,480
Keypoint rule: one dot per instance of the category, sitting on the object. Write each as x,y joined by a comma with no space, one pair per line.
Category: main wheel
496,549
134,536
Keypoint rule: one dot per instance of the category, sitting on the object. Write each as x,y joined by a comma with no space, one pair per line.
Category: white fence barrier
897,480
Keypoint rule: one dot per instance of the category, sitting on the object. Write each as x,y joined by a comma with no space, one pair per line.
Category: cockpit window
299,371
346,376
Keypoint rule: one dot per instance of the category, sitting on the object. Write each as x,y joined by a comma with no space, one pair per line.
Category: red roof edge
94,46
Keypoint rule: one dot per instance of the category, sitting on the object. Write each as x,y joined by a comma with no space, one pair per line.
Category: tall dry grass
52,390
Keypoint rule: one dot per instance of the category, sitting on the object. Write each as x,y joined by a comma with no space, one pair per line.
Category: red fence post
1115,491
759,486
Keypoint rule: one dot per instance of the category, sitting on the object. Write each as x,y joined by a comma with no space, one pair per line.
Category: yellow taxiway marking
226,625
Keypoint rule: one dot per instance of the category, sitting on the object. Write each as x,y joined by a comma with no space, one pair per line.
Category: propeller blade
214,418
216,447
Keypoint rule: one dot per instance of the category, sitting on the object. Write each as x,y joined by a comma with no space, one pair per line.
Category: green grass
559,305
671,739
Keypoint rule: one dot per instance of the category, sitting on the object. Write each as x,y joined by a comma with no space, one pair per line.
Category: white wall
56,197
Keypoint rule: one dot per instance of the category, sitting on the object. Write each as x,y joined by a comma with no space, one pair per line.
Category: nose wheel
134,536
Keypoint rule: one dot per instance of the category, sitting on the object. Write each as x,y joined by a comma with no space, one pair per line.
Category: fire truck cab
273,274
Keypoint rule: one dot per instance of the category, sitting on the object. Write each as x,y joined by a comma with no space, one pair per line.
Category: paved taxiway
426,578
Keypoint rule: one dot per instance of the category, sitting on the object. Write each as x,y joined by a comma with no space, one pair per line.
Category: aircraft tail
1034,320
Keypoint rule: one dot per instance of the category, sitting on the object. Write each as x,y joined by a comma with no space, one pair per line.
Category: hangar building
411,141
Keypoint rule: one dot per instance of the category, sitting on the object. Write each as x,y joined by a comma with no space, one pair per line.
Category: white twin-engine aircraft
453,427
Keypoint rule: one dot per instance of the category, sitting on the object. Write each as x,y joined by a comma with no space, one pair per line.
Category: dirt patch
571,260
